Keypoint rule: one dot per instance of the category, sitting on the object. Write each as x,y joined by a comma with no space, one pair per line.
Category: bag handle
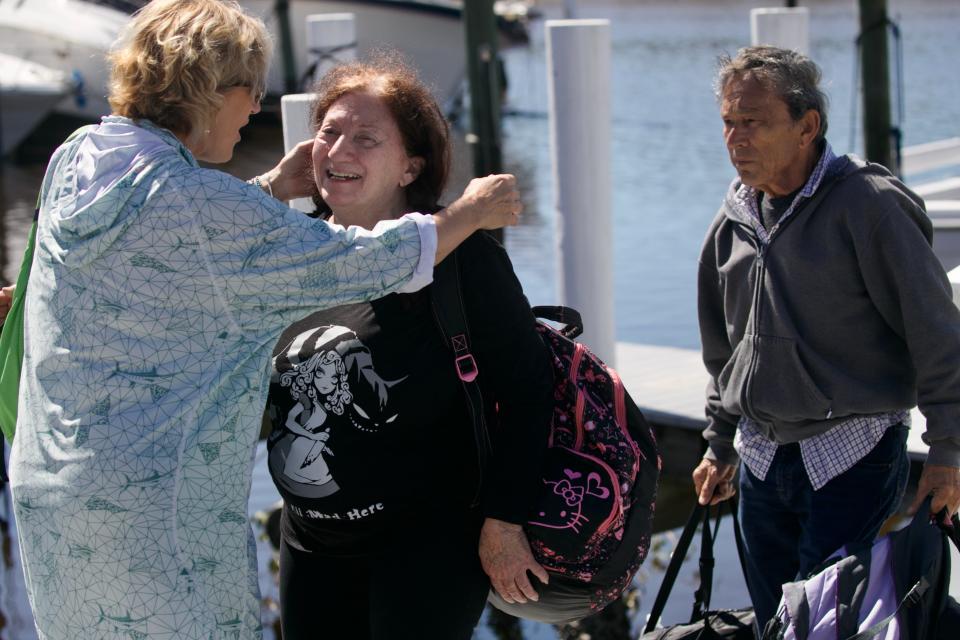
699,516
703,594
568,317
951,530
11,332
673,568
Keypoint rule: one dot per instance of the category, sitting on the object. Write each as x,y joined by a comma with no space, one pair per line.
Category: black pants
427,584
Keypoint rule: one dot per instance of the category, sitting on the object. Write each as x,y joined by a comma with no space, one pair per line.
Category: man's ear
414,167
809,127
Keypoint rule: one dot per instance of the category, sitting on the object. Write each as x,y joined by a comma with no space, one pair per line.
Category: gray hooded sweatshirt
847,311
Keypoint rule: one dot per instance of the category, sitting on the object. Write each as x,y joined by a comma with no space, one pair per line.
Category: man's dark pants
789,528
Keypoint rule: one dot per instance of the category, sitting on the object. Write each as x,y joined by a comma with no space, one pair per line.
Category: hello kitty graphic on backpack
591,524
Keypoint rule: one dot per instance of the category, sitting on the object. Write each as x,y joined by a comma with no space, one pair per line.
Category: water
669,172
669,167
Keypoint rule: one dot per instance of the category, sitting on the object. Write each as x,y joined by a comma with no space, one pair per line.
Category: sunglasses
257,94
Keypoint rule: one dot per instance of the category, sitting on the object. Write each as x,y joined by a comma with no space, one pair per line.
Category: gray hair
793,76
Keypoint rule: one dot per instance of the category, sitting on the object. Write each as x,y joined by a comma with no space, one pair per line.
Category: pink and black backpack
592,521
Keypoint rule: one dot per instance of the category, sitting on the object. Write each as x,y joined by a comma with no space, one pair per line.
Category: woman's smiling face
360,163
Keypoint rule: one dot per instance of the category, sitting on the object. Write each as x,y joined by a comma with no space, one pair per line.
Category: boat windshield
127,6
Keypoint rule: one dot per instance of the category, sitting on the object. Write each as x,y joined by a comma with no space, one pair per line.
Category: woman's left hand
293,175
506,557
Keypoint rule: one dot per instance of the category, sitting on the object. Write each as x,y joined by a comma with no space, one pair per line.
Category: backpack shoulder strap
795,600
914,596
446,300
11,328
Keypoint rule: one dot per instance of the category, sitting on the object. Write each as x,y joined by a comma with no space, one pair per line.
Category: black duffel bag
705,623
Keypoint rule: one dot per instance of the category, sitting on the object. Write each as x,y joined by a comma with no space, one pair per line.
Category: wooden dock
668,385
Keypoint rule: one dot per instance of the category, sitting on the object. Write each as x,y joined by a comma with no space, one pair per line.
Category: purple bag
894,589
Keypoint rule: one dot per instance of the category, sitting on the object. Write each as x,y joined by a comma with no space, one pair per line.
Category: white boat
933,172
431,34
69,36
28,92
74,35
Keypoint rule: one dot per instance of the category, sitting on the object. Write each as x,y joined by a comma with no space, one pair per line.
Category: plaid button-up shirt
829,454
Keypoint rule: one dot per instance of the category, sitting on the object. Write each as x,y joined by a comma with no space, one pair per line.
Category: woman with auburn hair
372,446
158,289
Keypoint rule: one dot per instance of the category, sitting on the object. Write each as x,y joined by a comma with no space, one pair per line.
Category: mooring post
787,28
331,39
482,67
878,132
282,11
295,114
578,85
483,73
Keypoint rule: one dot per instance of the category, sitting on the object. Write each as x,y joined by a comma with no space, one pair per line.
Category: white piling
784,27
578,85
295,113
331,38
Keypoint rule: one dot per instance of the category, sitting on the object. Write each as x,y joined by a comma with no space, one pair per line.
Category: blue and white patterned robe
157,293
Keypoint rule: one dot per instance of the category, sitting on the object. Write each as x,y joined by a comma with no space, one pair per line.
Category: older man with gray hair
824,317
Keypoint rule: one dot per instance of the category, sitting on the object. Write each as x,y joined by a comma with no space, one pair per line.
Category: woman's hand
493,201
6,299
506,557
486,203
293,176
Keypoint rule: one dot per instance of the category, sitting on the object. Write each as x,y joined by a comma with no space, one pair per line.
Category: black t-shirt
370,425
772,209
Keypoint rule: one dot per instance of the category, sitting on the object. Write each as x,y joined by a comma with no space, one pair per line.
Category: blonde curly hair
176,56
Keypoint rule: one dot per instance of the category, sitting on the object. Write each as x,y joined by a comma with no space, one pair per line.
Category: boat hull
431,37
28,92
36,32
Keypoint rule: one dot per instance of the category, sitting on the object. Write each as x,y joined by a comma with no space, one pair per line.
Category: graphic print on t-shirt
330,377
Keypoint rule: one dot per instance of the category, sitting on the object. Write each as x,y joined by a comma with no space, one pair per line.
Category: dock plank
668,385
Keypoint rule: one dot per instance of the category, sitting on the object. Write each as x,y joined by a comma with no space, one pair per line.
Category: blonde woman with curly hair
158,290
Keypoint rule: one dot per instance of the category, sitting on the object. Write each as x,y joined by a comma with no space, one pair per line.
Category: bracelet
265,186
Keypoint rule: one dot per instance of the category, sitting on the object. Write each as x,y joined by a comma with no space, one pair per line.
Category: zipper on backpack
578,353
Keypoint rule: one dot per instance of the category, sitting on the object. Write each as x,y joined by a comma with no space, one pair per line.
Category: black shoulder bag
705,624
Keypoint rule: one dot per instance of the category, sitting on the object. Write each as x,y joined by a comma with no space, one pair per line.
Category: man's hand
941,482
506,557
293,175
6,299
713,481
